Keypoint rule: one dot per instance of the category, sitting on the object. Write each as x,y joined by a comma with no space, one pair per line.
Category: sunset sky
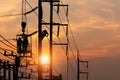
96,28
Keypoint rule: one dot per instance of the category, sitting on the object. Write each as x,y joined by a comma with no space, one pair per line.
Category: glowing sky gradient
96,28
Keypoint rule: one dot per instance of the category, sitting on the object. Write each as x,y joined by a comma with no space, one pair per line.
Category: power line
7,45
11,15
5,49
55,69
72,69
7,57
73,54
18,14
8,41
31,7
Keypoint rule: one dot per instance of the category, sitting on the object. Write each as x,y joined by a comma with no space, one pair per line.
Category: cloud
95,42
104,68
95,13
96,27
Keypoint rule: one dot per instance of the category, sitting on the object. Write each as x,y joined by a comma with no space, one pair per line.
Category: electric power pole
51,29
39,39
79,68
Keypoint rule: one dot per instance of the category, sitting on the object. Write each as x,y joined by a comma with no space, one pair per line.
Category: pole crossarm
60,44
84,72
50,0
28,76
9,54
84,61
55,24
60,5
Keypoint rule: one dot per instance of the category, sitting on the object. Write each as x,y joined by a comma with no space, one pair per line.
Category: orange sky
95,25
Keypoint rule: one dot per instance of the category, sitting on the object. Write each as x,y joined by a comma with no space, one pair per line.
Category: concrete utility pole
39,38
78,66
51,29
79,69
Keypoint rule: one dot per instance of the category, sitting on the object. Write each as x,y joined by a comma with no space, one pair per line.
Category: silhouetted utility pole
39,38
9,71
85,72
79,69
51,29
4,66
17,65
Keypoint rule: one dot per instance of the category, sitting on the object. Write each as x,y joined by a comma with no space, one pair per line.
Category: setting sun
45,59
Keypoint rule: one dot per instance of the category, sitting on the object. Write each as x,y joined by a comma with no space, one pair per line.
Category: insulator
58,30
67,31
23,30
58,9
67,50
67,12
44,33
17,61
5,52
23,24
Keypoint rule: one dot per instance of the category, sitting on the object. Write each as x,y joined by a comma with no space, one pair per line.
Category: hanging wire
18,14
72,68
7,57
56,71
31,7
7,45
8,41
11,15
4,49
7,50
22,10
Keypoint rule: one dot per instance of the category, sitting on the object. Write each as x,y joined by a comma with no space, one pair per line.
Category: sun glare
45,59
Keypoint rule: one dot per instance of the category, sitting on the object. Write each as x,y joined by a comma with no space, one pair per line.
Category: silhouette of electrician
22,44
44,33
19,45
25,44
